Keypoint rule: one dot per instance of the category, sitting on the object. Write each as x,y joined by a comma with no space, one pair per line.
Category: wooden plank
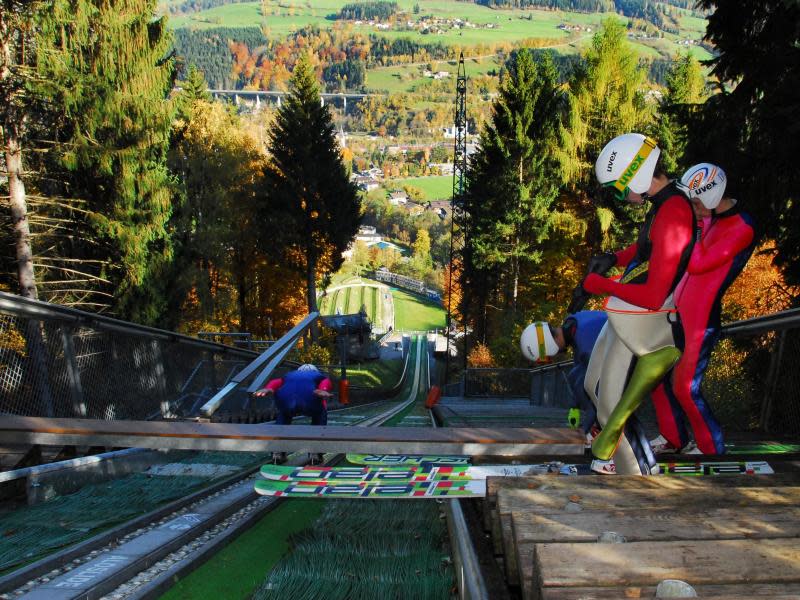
691,522
525,554
708,592
304,438
646,525
620,482
549,500
647,563
509,552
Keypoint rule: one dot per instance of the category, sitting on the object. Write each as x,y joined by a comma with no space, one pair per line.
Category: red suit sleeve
624,257
670,234
326,385
706,258
274,384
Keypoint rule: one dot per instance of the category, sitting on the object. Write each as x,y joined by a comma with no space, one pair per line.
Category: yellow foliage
11,340
480,357
759,290
314,354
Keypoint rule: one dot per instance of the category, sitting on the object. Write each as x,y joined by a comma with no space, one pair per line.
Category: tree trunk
19,210
311,291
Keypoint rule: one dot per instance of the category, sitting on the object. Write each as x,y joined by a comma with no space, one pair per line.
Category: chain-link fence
753,378
752,382
60,362
545,386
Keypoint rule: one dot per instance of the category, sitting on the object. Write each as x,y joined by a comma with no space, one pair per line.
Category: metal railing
257,372
60,362
752,382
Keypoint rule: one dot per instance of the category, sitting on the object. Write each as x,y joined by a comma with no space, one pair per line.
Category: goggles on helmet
619,187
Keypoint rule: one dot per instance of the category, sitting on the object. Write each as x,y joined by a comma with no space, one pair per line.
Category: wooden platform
290,438
734,537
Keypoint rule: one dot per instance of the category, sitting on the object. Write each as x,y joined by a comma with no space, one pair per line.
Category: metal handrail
28,308
786,319
272,356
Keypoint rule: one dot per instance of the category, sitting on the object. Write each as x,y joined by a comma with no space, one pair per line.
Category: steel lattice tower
457,221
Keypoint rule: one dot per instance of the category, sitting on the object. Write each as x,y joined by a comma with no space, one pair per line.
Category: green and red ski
686,468
408,489
716,468
404,460
390,474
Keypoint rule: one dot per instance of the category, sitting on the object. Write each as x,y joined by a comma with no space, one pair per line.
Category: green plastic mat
31,532
367,549
370,549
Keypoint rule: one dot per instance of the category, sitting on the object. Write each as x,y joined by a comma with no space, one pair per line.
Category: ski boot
278,458
316,458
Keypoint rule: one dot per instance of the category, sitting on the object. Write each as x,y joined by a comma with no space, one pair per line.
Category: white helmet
307,367
627,163
537,342
705,182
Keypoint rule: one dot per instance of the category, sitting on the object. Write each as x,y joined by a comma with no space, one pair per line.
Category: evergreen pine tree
311,207
685,88
109,71
514,180
751,126
605,101
193,88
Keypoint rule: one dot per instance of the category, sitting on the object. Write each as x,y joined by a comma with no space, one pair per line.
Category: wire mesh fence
753,378
59,362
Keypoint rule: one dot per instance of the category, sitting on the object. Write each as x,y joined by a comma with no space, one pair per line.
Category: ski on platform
761,448
716,468
406,459
408,489
389,474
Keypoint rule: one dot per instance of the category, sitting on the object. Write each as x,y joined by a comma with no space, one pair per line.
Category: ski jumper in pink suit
726,244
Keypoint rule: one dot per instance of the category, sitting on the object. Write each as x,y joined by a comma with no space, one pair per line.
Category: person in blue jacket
580,331
301,392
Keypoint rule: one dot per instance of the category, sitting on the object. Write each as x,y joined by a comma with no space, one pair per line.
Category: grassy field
412,313
282,17
438,187
405,78
380,373
349,300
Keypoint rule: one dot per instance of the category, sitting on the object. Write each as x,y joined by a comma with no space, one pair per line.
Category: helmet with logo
537,341
705,182
307,367
627,163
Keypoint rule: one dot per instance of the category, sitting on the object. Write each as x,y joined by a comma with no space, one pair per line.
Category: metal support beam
279,349
185,435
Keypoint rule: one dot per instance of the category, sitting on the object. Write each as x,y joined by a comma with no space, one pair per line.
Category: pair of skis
413,476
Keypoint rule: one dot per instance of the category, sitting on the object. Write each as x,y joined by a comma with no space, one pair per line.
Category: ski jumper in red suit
641,341
727,242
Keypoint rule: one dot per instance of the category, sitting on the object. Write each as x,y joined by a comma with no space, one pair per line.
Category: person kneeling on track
305,392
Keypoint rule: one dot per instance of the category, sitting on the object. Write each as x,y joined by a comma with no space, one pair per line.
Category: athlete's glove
574,418
599,263
602,263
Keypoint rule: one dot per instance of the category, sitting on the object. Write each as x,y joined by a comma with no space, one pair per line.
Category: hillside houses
371,239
